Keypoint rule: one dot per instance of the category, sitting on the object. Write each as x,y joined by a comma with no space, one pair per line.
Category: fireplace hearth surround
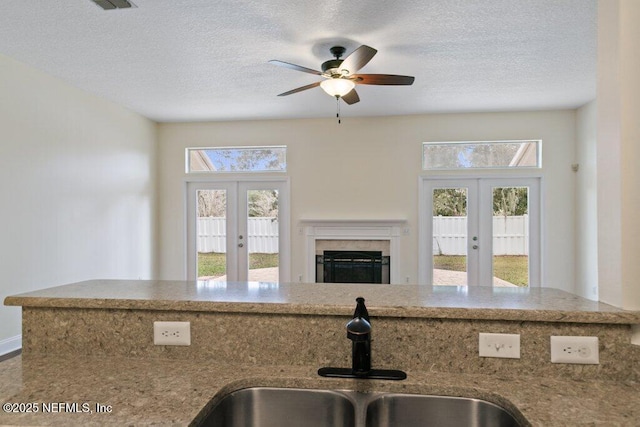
356,236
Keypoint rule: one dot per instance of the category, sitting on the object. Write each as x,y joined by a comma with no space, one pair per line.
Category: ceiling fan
340,74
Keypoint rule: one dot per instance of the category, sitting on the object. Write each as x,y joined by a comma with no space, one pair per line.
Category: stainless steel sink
408,410
287,407
282,407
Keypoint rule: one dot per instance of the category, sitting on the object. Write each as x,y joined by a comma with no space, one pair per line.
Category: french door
238,231
483,231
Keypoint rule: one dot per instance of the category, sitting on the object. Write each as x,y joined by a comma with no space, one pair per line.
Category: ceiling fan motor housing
332,66
337,51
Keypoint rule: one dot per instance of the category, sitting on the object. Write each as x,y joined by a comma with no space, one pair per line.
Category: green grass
512,268
211,264
450,262
214,264
262,261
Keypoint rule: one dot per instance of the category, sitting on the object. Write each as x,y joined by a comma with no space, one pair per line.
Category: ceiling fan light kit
114,4
340,74
337,87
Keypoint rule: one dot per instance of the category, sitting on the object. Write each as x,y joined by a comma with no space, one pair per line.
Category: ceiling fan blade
351,98
295,67
358,58
383,79
300,89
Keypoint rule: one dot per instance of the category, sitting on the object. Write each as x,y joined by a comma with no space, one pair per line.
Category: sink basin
294,407
282,407
408,410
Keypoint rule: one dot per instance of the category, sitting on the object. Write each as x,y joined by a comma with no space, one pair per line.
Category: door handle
474,246
241,245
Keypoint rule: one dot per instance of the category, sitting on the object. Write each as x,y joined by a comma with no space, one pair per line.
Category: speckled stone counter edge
407,301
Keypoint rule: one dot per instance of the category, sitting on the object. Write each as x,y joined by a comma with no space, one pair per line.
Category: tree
449,202
507,201
212,203
253,159
510,201
471,155
263,203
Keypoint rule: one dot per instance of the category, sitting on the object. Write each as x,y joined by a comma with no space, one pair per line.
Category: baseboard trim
10,345
10,355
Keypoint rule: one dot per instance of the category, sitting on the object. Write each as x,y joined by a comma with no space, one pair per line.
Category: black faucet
359,332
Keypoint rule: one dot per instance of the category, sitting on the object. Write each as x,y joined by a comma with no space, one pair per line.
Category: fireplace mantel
352,229
398,222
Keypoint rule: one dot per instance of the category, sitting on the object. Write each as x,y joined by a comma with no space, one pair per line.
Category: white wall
586,226
618,151
76,188
368,168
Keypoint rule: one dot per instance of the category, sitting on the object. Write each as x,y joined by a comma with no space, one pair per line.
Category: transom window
236,159
481,155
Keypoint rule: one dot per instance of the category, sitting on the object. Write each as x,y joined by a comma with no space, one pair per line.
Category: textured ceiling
185,60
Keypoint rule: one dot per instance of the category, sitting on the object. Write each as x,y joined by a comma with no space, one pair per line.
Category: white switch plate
581,350
499,345
172,333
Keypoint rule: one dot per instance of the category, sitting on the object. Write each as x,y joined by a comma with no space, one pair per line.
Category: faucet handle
361,310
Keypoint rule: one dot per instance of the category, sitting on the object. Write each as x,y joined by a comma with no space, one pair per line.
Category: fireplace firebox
352,267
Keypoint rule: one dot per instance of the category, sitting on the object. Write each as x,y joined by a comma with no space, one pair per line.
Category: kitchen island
90,346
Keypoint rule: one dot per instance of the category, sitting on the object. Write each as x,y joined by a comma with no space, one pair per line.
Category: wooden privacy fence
510,235
262,235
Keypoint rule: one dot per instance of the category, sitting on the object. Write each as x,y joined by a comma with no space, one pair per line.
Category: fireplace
352,267
355,237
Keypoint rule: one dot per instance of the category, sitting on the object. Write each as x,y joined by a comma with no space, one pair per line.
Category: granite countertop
446,302
165,391
173,392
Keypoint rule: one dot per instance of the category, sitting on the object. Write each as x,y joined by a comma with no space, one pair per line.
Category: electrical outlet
582,350
499,345
172,333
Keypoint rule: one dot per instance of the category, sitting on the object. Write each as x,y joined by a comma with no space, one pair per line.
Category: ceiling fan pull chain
338,108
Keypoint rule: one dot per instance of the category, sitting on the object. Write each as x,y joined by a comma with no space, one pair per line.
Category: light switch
499,345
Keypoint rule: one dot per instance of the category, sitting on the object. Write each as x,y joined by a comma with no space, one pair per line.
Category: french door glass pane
211,229
510,236
262,235
450,236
